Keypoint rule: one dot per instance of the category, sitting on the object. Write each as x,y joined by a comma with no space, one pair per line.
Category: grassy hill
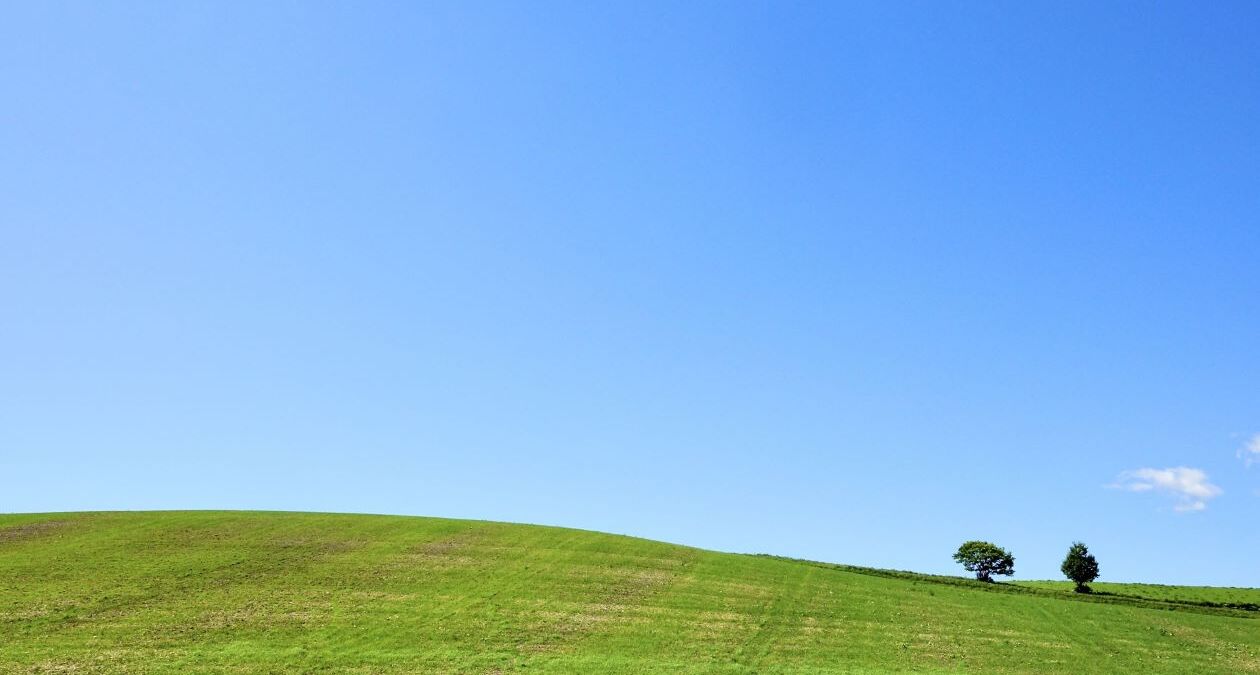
1207,596
275,592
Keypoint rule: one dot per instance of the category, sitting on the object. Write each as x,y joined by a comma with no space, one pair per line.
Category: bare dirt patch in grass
1241,658
441,554
29,530
619,603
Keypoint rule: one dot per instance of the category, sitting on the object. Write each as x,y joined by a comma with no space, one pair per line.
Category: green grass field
1199,595
237,592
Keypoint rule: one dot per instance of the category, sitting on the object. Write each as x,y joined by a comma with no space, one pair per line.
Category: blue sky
846,282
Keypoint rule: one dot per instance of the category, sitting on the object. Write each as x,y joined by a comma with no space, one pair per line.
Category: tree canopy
985,559
1080,566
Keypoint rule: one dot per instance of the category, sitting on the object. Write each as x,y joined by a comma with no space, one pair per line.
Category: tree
1080,566
985,559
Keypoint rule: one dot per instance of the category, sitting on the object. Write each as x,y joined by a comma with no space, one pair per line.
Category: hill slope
1206,596
267,592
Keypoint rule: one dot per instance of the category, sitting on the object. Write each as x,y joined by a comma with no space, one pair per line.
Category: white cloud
1250,451
1188,487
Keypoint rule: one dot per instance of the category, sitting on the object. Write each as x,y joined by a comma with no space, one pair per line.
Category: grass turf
285,592
1209,596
